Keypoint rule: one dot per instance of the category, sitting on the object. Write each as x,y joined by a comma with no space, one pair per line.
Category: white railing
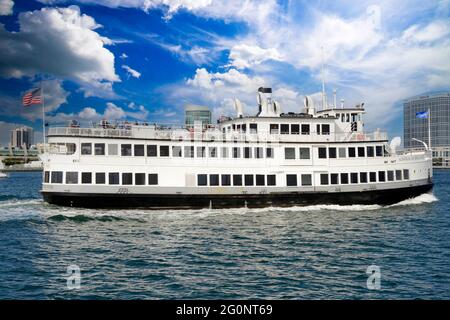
179,133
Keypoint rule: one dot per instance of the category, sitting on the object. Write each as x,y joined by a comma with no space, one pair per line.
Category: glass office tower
414,127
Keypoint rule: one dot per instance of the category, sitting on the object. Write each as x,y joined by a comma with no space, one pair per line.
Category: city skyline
145,60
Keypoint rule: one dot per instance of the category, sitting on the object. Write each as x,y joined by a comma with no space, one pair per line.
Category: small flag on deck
32,97
422,114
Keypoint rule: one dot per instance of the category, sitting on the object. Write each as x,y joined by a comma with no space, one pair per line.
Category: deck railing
173,133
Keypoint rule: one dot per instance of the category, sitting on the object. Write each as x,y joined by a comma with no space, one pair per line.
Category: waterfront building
22,136
438,105
195,113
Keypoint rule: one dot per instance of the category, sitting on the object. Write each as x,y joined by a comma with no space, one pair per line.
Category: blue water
314,252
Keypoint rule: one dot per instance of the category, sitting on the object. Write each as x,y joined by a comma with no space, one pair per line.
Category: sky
146,59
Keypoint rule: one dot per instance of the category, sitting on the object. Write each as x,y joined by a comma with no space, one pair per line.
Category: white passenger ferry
271,159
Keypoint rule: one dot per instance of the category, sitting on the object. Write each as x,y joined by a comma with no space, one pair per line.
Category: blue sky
146,59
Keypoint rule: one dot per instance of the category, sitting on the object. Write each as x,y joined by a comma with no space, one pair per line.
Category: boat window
224,152
57,176
86,177
127,178
189,151
236,152
244,127
152,150
249,180
361,152
318,129
114,178
289,153
62,148
125,150
306,180
139,179
260,180
342,152
343,117
153,179
363,177
326,129
322,153
291,180
71,177
139,150
237,180
373,176
259,153
398,174
405,174
273,128
284,129
201,152
212,152
113,150
390,175
295,129
269,153
334,178
379,151
305,129
46,176
324,179
99,149
86,148
351,152
332,153
213,179
347,118
253,128
247,152
176,151
305,153
354,177
381,176
370,151
271,180
344,178
226,180
163,151
100,178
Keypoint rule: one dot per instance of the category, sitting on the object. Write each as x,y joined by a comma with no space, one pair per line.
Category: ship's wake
19,209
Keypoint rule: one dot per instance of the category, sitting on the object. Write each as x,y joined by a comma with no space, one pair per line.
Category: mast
323,81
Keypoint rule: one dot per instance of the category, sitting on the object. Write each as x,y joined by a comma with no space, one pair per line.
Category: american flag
32,97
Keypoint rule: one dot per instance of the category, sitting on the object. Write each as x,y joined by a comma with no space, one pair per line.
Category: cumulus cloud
112,112
131,72
62,42
245,56
6,7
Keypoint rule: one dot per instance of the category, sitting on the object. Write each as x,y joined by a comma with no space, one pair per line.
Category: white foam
423,198
19,203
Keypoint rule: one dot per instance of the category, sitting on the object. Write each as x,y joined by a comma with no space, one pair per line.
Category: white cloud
131,72
62,42
123,56
6,7
245,56
112,112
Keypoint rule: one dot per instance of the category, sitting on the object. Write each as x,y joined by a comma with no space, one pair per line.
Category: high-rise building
21,136
197,113
416,127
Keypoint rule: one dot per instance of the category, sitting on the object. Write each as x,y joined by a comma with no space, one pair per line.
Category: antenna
323,81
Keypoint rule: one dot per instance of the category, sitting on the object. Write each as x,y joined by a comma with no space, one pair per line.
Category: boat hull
198,201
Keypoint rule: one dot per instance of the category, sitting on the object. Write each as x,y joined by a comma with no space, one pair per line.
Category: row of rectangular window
177,151
72,177
350,152
364,177
236,180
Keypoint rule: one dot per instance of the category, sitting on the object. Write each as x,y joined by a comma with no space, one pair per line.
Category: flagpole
43,113
429,128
